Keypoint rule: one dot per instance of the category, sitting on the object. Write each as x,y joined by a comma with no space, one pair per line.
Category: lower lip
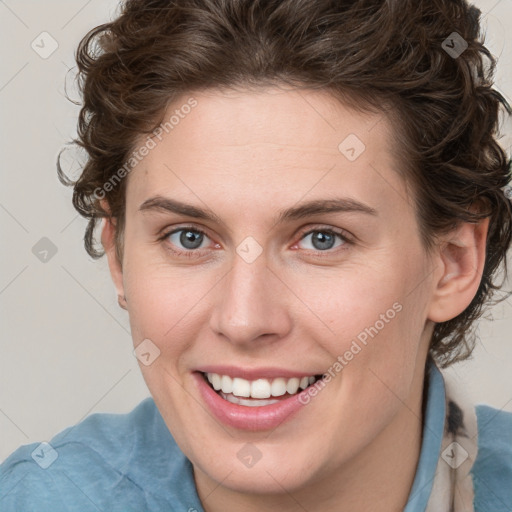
242,417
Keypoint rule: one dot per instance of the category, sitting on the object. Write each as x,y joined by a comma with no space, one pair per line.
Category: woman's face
296,253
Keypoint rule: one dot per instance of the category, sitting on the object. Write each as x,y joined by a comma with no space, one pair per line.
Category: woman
303,213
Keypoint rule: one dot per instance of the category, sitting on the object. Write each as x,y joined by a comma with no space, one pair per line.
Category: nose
251,305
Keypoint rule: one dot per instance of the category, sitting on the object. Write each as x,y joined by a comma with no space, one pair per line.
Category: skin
247,155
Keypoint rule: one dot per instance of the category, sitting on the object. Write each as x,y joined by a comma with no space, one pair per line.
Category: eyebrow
310,208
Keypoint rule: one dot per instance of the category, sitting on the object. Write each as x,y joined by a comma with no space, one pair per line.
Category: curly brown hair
380,55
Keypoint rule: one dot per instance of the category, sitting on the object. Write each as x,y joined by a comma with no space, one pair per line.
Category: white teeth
241,387
278,387
292,385
260,388
247,402
226,384
216,381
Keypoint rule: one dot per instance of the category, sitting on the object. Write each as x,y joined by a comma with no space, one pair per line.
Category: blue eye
324,239
187,237
188,241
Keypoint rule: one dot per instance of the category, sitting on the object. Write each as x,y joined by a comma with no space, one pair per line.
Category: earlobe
461,260
116,272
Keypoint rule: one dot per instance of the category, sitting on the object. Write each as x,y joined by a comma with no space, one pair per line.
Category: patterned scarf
452,489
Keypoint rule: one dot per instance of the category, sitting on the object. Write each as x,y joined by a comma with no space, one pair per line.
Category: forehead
268,145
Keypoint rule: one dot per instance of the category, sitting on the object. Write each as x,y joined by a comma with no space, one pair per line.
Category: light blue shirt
131,463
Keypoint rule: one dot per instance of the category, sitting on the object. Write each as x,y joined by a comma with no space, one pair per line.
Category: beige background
65,347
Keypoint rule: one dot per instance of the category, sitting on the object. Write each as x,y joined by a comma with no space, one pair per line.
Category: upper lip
254,373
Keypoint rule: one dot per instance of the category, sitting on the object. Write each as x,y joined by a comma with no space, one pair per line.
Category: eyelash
191,253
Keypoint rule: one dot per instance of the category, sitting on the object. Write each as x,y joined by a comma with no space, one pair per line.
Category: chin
271,474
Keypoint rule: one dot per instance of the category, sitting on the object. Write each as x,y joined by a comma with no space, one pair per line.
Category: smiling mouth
259,392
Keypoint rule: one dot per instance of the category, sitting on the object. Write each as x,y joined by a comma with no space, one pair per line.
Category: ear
460,260
116,272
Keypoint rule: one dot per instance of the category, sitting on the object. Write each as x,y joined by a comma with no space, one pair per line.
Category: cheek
376,326
166,304
154,300
358,306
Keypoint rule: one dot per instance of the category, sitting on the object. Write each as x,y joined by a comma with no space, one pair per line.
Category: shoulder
492,469
106,462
